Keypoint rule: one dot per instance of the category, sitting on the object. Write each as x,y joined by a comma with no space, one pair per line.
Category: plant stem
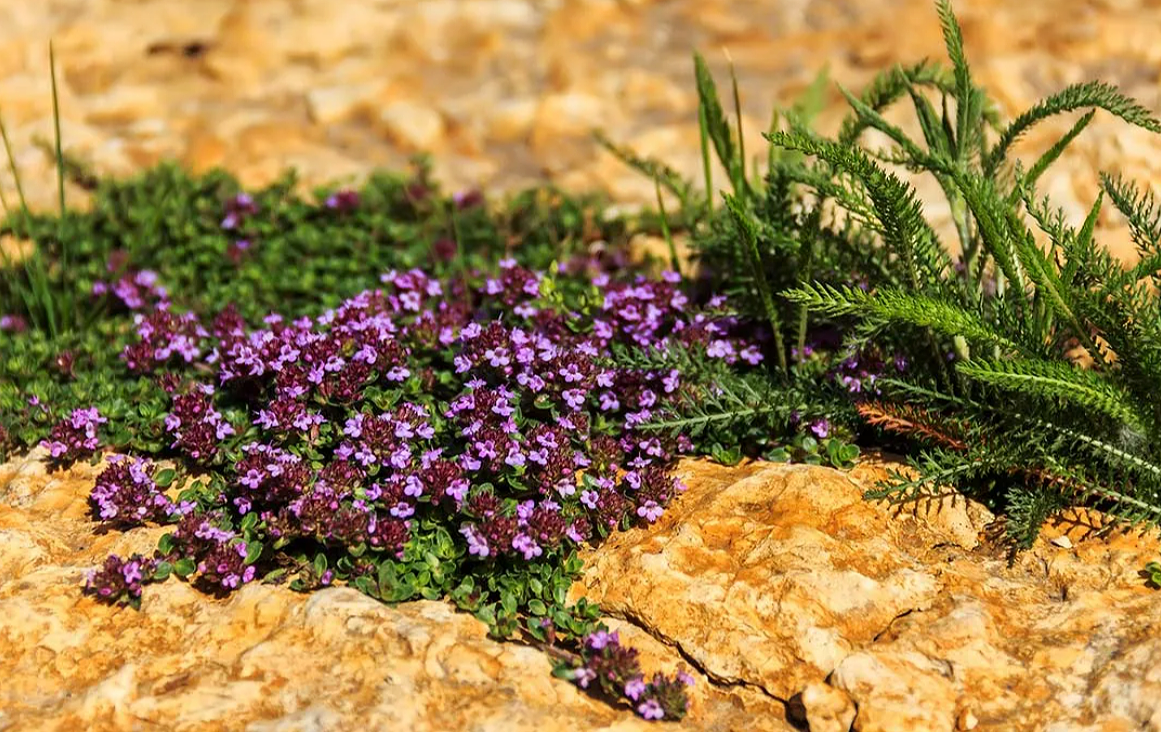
706,163
60,166
673,260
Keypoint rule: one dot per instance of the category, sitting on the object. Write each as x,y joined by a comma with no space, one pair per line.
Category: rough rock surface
784,579
791,598
267,658
505,92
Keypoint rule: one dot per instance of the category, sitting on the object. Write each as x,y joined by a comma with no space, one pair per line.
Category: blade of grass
60,165
741,164
12,166
706,163
673,261
65,297
717,127
37,296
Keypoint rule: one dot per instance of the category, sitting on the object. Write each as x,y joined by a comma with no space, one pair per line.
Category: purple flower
13,323
76,436
584,676
650,511
126,494
635,688
118,581
601,638
650,709
477,545
343,201
526,546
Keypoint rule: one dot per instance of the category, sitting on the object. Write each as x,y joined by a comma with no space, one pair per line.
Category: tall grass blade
673,260
717,128
60,164
706,162
740,183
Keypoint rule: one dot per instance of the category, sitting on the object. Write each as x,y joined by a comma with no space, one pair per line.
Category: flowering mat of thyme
455,430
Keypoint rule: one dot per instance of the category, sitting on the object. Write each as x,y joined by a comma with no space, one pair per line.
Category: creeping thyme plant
430,396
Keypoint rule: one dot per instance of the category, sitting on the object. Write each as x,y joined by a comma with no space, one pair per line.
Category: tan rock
827,709
415,127
902,691
13,251
123,105
267,658
569,115
784,578
511,121
204,150
328,105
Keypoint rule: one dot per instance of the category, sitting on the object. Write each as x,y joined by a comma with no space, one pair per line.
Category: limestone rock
789,595
784,578
13,251
826,708
267,658
416,127
328,105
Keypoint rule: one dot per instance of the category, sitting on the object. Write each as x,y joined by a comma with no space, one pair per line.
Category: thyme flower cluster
603,662
76,436
491,413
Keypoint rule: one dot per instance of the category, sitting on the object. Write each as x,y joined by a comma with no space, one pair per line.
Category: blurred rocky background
505,93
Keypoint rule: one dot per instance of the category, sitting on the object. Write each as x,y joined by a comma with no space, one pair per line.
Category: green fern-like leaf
905,231
1078,96
896,306
1140,208
1058,380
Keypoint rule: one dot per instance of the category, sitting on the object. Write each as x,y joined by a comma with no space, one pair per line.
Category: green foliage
1153,573
729,415
170,222
1045,432
832,247
167,221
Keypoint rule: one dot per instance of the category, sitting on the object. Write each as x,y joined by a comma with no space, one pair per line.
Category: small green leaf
164,478
274,574
366,585
508,603
253,552
184,567
249,521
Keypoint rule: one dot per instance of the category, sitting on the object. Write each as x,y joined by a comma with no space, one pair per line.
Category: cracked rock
784,578
790,598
